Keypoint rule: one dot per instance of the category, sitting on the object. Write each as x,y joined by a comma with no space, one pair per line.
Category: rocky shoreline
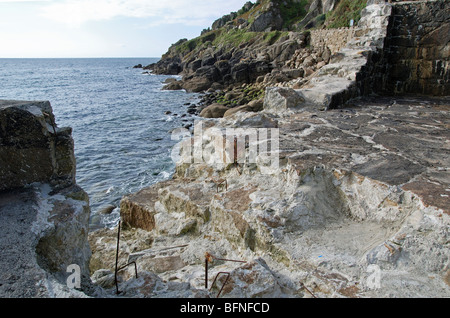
345,212
351,200
342,207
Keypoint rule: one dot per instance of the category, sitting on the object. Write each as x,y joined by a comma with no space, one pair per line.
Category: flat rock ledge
357,207
43,234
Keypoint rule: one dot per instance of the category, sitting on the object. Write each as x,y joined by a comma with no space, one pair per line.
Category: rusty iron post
117,260
206,273
117,269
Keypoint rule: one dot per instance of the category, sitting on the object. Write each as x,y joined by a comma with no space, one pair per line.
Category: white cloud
77,12
16,1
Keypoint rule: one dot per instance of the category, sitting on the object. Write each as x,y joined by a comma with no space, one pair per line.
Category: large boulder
197,84
267,21
32,147
253,106
214,111
278,99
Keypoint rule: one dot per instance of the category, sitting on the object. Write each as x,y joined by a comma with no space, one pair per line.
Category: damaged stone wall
333,39
418,48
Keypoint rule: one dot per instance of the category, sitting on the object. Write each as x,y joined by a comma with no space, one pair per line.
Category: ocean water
118,114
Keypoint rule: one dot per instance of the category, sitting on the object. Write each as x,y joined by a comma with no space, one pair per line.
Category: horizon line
93,57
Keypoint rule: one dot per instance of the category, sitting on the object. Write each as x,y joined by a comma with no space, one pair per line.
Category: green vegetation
249,15
234,37
293,12
345,11
254,94
243,10
273,36
189,46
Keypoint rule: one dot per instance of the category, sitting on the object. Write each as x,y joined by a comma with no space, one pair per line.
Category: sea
121,119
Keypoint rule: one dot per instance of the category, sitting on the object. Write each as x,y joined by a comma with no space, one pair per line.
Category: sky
103,28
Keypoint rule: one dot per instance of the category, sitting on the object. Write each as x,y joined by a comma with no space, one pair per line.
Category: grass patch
191,45
234,37
249,15
345,11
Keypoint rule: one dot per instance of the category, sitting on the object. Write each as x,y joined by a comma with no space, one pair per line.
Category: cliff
44,214
262,45
327,186
287,43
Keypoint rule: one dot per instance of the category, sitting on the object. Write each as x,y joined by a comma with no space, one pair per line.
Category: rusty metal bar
210,258
226,281
229,260
235,158
206,273
303,285
221,182
117,261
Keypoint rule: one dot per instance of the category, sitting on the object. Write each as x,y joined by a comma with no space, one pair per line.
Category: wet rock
173,85
214,111
197,84
107,209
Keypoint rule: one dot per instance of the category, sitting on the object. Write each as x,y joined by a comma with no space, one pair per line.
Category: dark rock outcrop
32,147
418,45
44,213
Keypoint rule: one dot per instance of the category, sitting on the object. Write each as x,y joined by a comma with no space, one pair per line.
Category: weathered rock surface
419,46
44,214
345,214
356,206
32,147
352,199
214,111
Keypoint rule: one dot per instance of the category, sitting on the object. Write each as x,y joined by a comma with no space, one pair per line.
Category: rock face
343,215
357,198
45,215
240,47
32,148
419,46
